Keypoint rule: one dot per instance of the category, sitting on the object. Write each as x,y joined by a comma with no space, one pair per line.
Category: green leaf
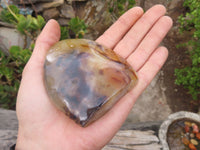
78,26
14,50
189,77
64,33
41,22
23,24
7,16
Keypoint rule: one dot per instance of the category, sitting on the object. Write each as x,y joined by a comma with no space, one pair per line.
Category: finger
150,42
32,78
49,36
32,75
136,34
150,69
110,123
115,33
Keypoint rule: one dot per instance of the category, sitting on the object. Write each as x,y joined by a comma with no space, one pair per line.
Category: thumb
49,36
32,95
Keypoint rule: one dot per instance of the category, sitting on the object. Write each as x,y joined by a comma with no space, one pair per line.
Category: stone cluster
61,10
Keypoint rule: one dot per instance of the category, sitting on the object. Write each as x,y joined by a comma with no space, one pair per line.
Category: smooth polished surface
85,79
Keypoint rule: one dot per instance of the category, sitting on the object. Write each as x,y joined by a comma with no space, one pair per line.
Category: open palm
136,37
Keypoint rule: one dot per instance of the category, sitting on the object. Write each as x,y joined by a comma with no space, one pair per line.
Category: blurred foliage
64,33
189,76
26,25
11,66
120,6
76,29
7,16
31,26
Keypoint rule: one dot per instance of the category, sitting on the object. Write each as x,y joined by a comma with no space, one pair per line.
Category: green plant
78,27
7,16
31,26
11,68
26,25
189,76
64,33
120,6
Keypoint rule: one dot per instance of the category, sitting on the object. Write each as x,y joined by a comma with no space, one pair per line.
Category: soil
178,97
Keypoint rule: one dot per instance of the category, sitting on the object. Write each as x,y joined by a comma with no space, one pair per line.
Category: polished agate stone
85,79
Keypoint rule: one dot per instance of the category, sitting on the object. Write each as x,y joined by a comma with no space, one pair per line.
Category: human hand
135,36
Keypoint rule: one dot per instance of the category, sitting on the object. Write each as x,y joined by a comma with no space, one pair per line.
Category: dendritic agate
85,79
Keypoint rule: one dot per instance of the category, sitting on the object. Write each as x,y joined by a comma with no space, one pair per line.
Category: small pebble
188,123
198,136
194,142
185,141
192,135
192,147
195,128
193,124
187,128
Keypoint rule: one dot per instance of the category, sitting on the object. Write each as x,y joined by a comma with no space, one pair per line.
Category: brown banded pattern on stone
85,79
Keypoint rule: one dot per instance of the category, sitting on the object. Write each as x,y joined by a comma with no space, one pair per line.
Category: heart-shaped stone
85,79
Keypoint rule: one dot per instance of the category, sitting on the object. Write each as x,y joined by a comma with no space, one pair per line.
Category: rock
41,6
192,147
29,2
146,4
85,79
195,128
187,128
77,0
174,9
192,135
198,136
9,120
10,37
52,13
189,124
199,110
67,11
96,16
5,24
130,137
63,21
134,140
185,141
8,128
194,142
174,4
7,139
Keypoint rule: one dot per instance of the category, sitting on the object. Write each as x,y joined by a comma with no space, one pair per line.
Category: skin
42,126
